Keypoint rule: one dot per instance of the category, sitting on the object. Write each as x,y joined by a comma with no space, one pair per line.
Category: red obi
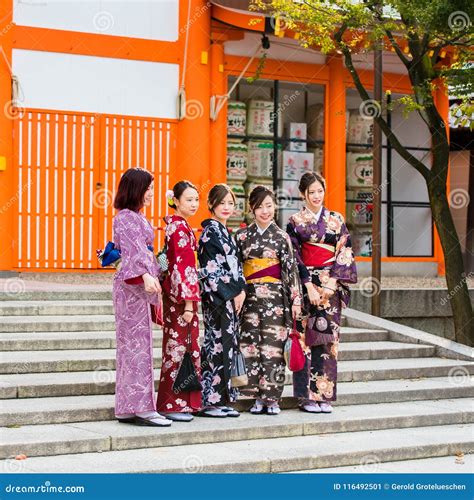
318,254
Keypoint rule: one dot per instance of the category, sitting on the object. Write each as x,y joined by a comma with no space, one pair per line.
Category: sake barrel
260,159
360,210
361,128
315,122
260,118
236,118
359,169
237,154
362,242
239,209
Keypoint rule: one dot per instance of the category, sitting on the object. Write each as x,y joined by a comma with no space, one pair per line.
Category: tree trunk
458,294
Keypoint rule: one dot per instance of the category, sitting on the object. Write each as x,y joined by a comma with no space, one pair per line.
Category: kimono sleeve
219,266
344,268
296,244
137,259
290,271
182,260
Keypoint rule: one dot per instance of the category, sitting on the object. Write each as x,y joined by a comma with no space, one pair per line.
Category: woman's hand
188,316
152,285
188,313
296,311
313,294
239,301
329,289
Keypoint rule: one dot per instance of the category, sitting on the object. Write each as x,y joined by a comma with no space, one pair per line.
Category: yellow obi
262,270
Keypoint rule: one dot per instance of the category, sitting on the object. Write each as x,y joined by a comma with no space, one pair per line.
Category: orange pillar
442,104
8,178
218,142
193,139
335,134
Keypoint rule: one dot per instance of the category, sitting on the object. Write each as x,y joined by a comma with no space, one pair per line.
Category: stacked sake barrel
359,168
237,158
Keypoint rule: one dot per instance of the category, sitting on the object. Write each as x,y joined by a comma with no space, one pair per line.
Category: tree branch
398,50
391,137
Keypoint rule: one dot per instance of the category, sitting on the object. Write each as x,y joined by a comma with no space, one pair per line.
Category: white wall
150,19
68,82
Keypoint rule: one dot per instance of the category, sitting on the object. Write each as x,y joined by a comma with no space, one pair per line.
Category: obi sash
262,270
318,254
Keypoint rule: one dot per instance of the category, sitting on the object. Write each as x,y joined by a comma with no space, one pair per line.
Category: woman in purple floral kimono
135,288
223,294
326,266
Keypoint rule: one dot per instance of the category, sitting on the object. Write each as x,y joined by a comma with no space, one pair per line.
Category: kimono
134,391
180,284
273,286
222,279
323,250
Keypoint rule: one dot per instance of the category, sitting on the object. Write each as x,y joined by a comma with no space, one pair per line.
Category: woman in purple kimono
135,289
326,266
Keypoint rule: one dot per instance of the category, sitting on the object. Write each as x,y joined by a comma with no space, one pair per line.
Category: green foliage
420,32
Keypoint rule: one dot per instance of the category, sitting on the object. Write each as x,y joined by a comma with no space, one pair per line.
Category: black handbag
187,379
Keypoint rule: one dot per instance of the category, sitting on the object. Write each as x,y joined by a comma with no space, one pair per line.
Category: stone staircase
397,402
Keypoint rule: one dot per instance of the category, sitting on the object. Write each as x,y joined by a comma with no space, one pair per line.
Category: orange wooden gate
68,167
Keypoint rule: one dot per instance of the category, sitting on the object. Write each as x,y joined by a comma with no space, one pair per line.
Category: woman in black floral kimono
223,294
273,302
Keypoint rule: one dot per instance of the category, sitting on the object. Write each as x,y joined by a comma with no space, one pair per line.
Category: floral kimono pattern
266,317
318,380
222,279
134,391
180,284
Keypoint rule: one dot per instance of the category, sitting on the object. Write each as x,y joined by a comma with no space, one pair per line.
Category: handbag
293,354
238,373
162,259
187,379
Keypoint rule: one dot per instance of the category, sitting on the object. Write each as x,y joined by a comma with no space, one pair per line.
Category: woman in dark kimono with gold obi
273,298
326,266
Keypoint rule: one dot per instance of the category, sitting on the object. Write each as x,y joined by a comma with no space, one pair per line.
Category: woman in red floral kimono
180,304
326,266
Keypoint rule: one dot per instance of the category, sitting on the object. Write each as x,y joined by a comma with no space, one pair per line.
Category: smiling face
265,212
188,203
224,209
148,196
314,196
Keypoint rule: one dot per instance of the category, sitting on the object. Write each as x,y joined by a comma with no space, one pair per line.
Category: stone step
275,454
86,437
455,464
84,405
94,359
45,341
68,323
55,308
66,292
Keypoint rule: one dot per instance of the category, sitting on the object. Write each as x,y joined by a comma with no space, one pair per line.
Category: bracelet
328,288
188,311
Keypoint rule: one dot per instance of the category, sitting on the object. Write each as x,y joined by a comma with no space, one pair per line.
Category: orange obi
262,270
317,254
